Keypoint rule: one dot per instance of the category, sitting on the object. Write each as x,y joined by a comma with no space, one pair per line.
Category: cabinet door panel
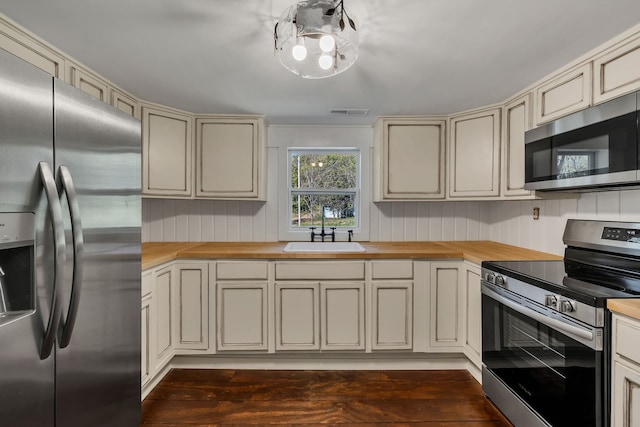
229,153
192,304
392,315
473,321
563,95
90,84
125,103
517,120
163,303
625,396
446,326
342,316
475,154
297,316
146,362
617,72
242,316
166,153
409,159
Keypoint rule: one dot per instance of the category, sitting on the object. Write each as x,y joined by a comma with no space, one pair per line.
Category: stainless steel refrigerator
70,217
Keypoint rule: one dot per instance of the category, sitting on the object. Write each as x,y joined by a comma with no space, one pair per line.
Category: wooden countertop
628,307
155,253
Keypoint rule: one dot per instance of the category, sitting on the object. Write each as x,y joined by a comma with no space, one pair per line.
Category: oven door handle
569,330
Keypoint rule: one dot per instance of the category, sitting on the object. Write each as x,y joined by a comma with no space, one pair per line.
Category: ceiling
416,56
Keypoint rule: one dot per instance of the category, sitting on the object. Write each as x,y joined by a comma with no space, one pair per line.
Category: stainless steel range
546,331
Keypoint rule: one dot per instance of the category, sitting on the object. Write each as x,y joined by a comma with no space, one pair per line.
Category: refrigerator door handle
59,256
78,251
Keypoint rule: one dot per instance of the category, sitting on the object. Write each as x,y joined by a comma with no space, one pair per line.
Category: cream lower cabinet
625,389
242,305
297,316
146,329
319,305
472,313
445,306
320,316
163,290
392,305
191,325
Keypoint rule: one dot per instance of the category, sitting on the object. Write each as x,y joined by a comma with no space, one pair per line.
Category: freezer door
26,130
98,372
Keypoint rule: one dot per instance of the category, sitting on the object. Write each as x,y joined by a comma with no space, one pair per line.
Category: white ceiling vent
361,112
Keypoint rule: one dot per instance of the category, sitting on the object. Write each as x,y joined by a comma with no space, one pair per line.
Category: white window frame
282,137
292,192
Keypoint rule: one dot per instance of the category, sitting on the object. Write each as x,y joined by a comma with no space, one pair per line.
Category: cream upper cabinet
230,158
15,41
563,95
125,103
89,83
625,387
409,159
516,121
474,154
617,72
166,153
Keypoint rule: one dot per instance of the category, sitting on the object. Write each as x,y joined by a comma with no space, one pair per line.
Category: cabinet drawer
242,270
627,338
320,270
392,269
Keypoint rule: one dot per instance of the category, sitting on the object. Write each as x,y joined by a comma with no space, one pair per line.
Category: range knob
491,277
567,306
550,301
500,280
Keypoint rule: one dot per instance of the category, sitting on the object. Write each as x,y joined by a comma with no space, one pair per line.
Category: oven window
554,374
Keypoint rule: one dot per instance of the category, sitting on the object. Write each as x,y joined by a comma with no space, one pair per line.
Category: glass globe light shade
326,30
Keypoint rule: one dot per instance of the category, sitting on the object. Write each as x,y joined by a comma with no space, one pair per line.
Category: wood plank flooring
207,398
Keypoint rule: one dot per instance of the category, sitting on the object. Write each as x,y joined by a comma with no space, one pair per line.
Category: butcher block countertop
628,307
155,253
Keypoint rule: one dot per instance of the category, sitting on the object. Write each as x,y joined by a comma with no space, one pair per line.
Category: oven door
536,363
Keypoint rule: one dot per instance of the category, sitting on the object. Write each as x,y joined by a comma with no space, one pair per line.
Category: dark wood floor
199,398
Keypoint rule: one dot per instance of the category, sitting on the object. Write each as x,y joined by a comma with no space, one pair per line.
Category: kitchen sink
324,247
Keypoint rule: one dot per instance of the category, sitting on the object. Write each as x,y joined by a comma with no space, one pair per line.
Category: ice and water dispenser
17,252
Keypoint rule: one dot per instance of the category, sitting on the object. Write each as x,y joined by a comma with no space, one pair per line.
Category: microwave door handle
570,330
78,251
59,256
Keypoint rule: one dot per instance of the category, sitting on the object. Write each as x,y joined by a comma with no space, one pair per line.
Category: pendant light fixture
316,38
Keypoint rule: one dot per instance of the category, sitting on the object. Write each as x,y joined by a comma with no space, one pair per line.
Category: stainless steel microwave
595,148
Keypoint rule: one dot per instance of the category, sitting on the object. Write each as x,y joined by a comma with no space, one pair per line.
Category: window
324,183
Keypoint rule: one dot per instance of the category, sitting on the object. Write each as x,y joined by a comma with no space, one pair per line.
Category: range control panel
630,235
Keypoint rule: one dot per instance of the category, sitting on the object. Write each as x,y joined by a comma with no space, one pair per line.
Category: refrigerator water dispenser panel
17,243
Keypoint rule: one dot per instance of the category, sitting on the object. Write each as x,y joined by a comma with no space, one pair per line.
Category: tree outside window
324,182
